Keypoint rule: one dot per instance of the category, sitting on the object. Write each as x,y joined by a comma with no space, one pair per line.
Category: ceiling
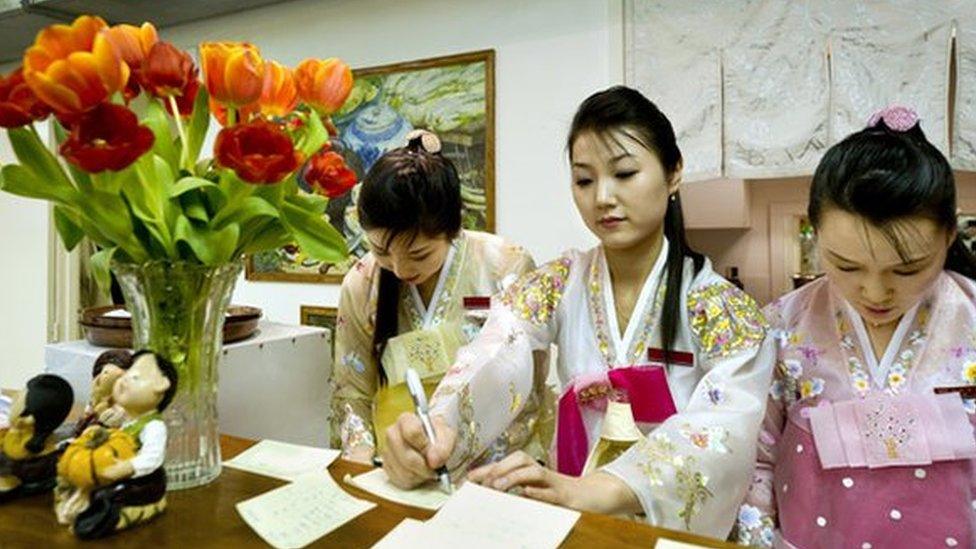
21,20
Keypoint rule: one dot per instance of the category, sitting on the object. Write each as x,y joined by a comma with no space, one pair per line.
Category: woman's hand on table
597,492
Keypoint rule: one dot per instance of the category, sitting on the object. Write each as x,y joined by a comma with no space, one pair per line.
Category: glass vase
178,311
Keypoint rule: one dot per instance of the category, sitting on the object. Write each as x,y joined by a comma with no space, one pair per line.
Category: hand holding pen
411,457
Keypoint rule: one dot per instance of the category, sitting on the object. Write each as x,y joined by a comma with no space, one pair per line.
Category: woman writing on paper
640,319
858,448
416,297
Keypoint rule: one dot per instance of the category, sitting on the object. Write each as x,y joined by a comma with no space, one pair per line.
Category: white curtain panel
882,53
777,96
964,123
673,55
749,88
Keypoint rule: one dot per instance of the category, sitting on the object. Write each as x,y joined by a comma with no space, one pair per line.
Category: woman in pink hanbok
868,437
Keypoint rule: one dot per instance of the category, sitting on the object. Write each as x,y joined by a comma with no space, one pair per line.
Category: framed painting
322,317
453,97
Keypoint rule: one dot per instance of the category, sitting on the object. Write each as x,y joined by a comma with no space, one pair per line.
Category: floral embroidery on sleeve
691,485
354,432
724,320
754,527
706,438
536,296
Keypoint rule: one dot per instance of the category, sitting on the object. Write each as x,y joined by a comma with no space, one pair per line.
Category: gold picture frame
322,317
470,145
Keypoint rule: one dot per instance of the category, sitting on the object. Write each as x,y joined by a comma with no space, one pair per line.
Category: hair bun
424,140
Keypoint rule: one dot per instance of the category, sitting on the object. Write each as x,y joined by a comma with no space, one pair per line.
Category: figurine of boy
28,449
108,368
137,491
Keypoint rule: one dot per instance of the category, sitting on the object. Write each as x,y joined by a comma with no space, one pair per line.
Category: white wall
23,283
550,54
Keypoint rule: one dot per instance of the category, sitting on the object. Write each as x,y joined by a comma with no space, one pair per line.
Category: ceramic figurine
28,449
112,478
108,367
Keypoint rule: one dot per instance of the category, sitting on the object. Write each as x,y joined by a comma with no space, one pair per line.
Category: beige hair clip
428,140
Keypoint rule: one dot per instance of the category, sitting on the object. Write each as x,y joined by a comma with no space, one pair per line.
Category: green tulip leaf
71,234
210,247
314,234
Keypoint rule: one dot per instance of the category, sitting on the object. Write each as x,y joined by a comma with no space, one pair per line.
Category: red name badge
965,391
677,358
477,303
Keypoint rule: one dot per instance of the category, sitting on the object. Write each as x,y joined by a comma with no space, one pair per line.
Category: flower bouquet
130,115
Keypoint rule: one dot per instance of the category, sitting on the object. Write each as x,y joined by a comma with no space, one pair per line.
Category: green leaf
146,191
107,216
211,247
194,206
315,135
189,183
249,208
81,177
101,262
314,235
274,194
266,235
32,154
71,233
21,181
158,121
312,203
198,126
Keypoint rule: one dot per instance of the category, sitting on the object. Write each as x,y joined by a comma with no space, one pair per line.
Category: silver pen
419,397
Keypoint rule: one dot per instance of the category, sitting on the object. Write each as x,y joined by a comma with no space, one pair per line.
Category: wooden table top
206,517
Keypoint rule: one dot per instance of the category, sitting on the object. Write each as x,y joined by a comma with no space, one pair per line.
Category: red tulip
108,137
167,71
186,99
258,151
18,103
328,173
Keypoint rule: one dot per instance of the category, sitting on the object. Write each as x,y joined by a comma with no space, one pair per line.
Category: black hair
884,176
625,110
408,191
48,400
117,357
169,372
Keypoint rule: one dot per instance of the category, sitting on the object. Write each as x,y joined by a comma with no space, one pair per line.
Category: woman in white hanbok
639,319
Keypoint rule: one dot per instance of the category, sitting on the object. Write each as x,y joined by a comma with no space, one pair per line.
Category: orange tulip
233,72
323,84
132,44
74,68
279,94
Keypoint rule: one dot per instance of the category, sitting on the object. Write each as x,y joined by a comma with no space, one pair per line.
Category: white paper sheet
377,483
481,517
409,534
299,513
283,460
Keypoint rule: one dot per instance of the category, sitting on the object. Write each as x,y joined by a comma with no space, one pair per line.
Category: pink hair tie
896,117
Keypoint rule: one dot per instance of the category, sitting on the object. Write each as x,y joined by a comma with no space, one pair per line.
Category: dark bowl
102,331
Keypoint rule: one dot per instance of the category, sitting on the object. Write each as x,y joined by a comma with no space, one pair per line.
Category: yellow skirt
391,401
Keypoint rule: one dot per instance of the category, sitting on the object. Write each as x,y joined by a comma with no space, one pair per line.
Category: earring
674,197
